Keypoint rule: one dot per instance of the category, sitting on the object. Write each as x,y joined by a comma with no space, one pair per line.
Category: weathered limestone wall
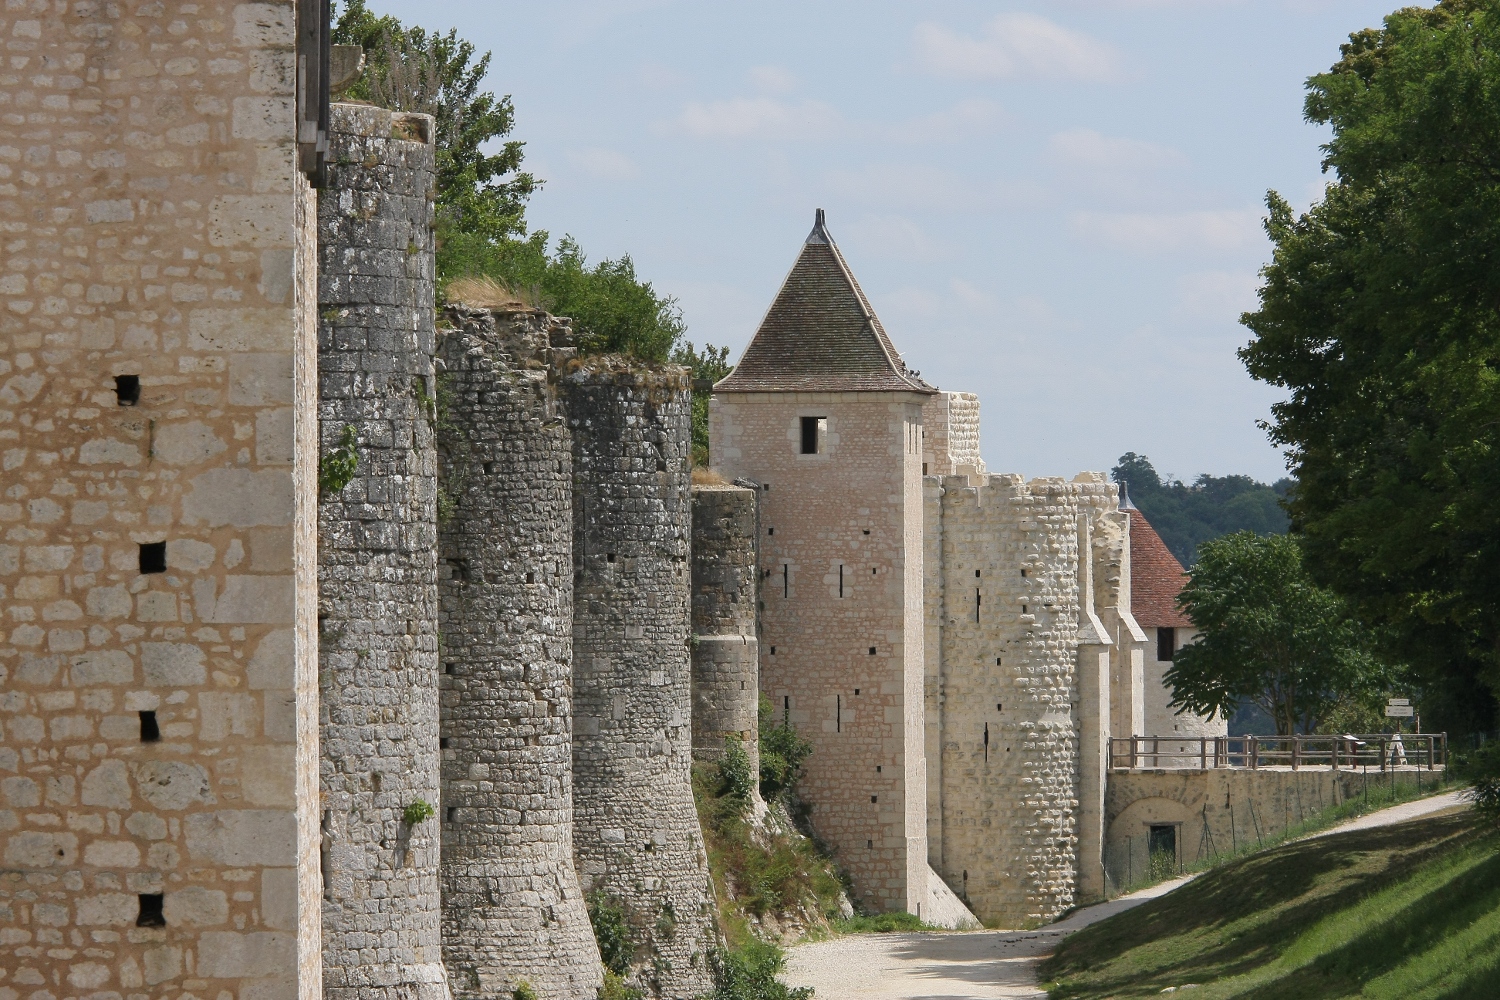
726,652
159,731
513,908
1235,806
378,561
842,628
637,836
950,439
1009,684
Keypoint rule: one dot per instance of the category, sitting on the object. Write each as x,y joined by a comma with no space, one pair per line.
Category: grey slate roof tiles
821,335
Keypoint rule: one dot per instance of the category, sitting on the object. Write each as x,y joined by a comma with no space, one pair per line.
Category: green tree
1187,515
481,188
706,367
1380,315
1268,635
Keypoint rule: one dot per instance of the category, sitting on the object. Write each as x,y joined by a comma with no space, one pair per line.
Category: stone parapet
513,908
377,563
637,837
726,652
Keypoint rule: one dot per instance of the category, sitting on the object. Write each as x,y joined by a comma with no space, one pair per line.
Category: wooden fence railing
1382,750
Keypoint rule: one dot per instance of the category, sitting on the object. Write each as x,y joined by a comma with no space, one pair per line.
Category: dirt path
982,965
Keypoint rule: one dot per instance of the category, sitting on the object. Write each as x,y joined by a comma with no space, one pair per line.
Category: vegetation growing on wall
482,193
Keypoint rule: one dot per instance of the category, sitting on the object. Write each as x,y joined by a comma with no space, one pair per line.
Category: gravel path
982,965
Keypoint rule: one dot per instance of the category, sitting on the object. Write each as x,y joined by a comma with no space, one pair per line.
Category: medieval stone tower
824,416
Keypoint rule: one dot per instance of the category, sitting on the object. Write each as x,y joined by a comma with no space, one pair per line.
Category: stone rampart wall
377,579
513,908
637,837
1008,685
158,766
950,443
726,652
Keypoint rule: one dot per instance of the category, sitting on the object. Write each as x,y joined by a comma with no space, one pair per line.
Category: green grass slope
1409,911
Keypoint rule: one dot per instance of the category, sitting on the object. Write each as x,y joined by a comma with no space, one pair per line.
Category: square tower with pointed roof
824,415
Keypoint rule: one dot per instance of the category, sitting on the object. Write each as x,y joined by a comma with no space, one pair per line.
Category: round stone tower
726,684
637,837
377,518
512,907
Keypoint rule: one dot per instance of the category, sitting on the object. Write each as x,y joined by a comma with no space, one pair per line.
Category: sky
1054,205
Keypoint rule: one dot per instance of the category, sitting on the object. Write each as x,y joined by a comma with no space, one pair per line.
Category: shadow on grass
1236,919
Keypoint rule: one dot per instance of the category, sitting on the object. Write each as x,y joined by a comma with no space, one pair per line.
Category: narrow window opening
447,668
874,799
452,813
872,650
786,580
610,557
814,435
870,844
770,531
773,650
877,768
150,914
838,714
153,557
924,468
127,389
986,741
1025,610
867,531
1023,574
442,742
856,690
150,731
978,600
767,486
531,578
841,579
1166,643
786,709
999,707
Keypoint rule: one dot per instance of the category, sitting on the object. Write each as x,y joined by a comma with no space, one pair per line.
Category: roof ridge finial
819,234
1125,503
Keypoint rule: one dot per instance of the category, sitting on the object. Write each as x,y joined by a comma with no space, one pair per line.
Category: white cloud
759,118
1217,295
604,164
973,117
1088,149
1015,45
922,188
892,237
1169,232
773,79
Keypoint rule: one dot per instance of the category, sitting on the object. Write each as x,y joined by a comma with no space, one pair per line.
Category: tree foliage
783,751
481,188
482,192
1188,515
1380,315
1268,635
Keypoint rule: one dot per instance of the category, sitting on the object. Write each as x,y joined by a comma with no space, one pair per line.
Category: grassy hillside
1409,911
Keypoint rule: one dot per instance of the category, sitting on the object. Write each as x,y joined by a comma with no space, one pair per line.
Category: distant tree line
1187,515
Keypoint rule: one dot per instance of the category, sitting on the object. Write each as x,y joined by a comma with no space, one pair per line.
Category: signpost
1402,708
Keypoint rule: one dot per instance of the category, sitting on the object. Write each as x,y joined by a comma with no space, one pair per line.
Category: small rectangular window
151,911
153,557
814,435
127,389
1166,643
150,731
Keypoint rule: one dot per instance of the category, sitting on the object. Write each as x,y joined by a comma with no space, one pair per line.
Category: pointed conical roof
820,334
1156,577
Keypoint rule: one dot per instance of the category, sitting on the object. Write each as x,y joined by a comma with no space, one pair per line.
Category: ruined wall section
1010,735
637,837
726,652
377,571
157,678
513,908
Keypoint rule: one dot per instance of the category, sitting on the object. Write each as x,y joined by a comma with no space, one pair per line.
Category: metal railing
1378,750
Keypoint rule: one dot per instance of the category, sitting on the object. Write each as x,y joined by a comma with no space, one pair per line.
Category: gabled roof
820,334
1156,577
